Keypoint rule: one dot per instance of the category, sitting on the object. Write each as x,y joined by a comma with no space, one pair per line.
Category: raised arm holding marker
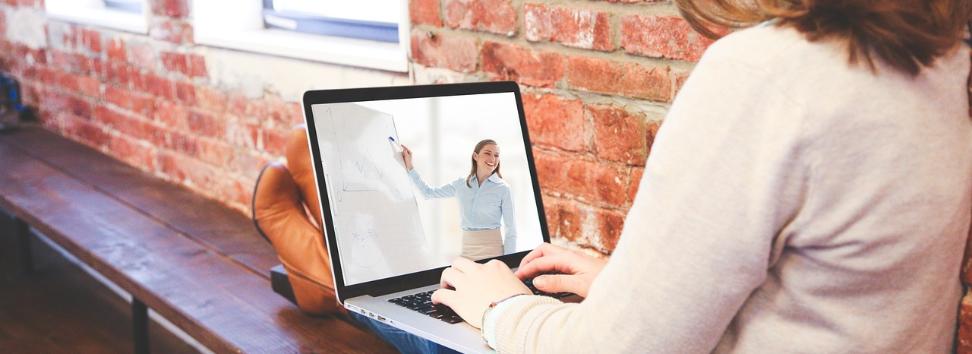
395,144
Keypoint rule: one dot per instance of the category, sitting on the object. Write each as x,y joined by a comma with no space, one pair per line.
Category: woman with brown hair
484,202
809,191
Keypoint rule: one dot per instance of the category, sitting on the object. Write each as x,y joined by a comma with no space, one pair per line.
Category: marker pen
398,147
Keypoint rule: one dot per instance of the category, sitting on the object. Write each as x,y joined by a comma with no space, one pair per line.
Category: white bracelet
490,338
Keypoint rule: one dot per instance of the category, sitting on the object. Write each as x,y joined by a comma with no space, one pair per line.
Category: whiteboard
376,218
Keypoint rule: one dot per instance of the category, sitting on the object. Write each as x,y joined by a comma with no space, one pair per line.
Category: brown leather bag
287,213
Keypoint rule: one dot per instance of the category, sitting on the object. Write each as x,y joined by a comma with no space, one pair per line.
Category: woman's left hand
476,287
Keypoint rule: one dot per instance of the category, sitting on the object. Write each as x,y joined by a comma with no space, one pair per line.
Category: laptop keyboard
422,302
529,284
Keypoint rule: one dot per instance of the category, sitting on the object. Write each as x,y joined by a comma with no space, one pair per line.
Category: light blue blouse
481,207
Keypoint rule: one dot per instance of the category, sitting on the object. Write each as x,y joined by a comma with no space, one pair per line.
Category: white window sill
120,20
338,50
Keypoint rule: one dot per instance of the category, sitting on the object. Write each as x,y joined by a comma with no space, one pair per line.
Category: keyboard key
422,303
529,284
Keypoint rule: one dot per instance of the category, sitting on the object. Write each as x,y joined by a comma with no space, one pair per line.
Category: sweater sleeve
722,181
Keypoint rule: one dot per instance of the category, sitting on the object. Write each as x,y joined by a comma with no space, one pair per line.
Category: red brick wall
964,340
146,100
597,78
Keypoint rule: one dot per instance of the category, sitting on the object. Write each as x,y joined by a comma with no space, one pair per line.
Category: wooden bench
192,260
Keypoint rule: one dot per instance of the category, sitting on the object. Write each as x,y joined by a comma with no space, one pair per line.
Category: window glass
131,6
365,19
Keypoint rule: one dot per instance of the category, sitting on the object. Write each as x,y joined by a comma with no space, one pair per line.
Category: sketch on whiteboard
362,250
367,162
376,215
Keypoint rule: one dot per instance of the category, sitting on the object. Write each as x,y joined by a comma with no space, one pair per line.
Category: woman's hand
407,156
476,287
575,271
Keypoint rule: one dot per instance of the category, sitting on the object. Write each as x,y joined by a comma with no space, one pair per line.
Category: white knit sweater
792,203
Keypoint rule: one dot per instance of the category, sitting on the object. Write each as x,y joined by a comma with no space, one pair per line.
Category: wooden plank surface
220,228
214,298
61,309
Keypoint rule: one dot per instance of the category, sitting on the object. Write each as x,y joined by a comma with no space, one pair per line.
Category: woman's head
906,34
485,160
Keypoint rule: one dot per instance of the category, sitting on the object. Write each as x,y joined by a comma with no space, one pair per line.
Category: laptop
391,231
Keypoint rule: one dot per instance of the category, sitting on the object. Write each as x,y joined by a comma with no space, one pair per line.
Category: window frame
239,25
94,12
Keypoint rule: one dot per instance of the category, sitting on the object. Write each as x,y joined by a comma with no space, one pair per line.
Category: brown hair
479,146
906,34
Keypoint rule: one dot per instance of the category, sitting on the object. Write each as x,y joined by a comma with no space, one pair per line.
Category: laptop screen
414,183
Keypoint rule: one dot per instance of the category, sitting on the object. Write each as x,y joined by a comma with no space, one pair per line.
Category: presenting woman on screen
484,199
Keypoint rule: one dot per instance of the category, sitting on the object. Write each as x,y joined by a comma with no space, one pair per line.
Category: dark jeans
403,341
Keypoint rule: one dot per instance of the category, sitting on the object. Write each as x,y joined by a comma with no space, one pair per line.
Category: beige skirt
483,244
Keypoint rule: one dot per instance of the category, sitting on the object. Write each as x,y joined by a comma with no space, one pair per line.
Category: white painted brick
26,26
255,75
426,75
56,31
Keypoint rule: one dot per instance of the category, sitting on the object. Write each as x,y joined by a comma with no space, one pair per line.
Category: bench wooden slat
221,228
213,298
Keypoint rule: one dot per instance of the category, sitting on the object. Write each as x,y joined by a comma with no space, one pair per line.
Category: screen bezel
431,276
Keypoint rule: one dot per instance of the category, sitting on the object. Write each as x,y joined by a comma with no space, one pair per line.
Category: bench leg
140,326
23,240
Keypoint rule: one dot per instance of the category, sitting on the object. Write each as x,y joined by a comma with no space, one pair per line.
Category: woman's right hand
557,269
407,156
